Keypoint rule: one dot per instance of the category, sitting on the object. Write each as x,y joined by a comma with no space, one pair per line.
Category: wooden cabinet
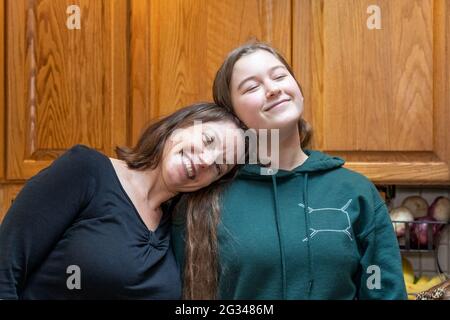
64,86
178,45
132,61
378,97
2,94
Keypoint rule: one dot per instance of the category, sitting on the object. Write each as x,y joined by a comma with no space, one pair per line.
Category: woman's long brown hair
202,215
199,210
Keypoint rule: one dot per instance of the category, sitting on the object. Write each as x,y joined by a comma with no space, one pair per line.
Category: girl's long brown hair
201,270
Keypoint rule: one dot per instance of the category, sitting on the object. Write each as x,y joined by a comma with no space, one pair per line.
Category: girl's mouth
275,104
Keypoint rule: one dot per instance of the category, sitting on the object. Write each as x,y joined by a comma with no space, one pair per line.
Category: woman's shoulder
82,158
82,151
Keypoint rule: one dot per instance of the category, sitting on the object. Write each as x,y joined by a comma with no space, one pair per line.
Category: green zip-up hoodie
320,231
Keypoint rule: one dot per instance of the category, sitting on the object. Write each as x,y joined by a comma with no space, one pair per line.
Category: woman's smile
189,167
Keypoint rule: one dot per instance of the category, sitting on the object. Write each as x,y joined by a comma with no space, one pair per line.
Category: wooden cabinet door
64,86
2,91
178,45
378,97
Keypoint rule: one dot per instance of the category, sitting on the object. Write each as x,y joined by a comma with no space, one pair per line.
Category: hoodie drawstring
308,241
280,240
277,217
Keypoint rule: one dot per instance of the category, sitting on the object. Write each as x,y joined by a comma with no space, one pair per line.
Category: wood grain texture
2,91
181,43
441,79
64,86
383,78
140,66
378,98
7,194
404,173
308,61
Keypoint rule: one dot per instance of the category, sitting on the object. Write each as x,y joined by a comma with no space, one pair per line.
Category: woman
92,227
312,229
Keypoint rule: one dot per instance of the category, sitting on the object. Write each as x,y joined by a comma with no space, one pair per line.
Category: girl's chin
281,124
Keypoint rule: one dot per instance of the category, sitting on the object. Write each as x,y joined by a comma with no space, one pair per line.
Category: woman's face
263,92
200,154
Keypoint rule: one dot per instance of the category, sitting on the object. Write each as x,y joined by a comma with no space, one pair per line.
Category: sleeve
381,274
47,205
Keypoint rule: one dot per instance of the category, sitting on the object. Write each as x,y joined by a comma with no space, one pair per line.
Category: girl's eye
281,76
207,139
252,88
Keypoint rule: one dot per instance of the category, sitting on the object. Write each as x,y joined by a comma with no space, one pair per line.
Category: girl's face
196,156
263,92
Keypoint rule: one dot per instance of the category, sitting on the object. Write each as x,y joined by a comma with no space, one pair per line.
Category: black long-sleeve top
73,233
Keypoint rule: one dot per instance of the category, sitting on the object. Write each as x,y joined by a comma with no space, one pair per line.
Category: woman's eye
207,139
219,169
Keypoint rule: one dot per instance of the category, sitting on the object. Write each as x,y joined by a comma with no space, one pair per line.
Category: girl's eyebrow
253,77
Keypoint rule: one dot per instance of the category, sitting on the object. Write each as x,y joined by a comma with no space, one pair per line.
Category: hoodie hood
316,161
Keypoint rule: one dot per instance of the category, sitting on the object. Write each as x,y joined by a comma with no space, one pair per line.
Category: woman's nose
207,158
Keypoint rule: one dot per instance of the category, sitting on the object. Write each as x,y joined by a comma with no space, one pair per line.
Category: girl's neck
288,148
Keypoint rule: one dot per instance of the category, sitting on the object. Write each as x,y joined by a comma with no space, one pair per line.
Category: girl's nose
273,90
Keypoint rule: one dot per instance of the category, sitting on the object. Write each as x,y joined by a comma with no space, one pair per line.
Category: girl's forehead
260,60
259,55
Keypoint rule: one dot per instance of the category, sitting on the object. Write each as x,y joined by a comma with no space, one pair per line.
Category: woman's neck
148,186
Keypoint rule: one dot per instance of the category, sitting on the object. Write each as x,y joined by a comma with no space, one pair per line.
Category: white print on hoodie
326,214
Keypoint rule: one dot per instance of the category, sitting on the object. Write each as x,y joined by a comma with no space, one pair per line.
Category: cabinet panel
376,96
65,86
2,92
7,195
178,45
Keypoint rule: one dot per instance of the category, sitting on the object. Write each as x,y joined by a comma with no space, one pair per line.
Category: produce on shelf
422,284
440,291
440,209
420,232
400,214
424,223
413,285
417,205
408,271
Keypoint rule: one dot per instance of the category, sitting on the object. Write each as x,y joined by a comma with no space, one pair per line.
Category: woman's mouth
188,166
